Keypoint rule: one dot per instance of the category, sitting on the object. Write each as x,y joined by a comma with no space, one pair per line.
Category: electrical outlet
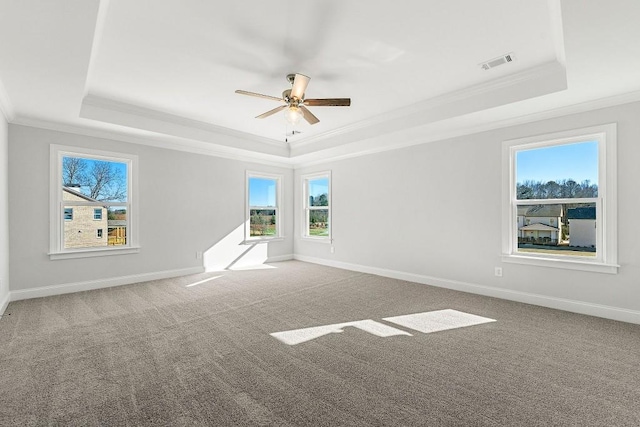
333,250
498,271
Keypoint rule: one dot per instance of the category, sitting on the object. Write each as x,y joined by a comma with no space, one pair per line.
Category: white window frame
279,216
56,204
94,214
606,203
306,208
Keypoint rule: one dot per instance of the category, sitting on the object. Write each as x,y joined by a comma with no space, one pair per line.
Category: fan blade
259,95
299,86
308,115
328,102
271,112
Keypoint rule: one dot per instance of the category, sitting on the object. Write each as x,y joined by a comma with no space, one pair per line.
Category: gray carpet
165,353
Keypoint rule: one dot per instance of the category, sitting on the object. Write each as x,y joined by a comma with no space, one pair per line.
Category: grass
558,252
318,232
266,230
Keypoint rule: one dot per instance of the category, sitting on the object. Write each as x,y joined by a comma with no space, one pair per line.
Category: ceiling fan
295,103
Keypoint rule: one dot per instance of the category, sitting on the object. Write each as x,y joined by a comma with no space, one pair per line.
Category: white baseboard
598,310
4,302
277,258
88,285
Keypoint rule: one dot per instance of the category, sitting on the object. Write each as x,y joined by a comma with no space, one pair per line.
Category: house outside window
263,200
91,191
559,200
317,206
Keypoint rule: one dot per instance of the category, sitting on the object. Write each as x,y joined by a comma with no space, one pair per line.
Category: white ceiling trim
324,156
408,137
542,80
510,83
160,141
120,113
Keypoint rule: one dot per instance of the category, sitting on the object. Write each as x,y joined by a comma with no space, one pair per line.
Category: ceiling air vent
497,61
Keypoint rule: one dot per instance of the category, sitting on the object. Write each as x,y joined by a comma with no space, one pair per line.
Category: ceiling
164,72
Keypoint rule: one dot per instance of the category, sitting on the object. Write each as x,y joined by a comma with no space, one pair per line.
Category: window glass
559,171
87,182
317,206
319,192
555,172
263,210
92,194
560,204
262,192
118,221
262,222
538,230
100,180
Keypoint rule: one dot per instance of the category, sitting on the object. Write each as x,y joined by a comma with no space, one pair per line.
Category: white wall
4,214
431,213
187,203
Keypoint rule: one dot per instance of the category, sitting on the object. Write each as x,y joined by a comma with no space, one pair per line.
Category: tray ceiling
167,70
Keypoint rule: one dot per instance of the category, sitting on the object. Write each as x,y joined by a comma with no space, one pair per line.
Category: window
559,200
91,188
264,217
317,206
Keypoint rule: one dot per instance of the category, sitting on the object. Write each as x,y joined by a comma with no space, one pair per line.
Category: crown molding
6,107
407,136
546,78
454,101
408,140
111,111
160,141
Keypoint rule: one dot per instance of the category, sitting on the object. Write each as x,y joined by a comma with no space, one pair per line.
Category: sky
318,187
561,162
121,167
262,192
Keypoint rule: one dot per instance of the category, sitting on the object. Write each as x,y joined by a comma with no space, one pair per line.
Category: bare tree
73,170
568,188
105,182
99,180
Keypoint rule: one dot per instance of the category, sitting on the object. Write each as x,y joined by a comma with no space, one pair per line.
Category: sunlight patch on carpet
435,321
298,336
202,281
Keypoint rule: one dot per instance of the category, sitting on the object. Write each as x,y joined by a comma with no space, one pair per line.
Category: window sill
317,239
253,241
596,267
89,253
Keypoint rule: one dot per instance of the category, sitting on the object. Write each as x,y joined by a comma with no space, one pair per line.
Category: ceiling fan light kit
293,115
294,101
